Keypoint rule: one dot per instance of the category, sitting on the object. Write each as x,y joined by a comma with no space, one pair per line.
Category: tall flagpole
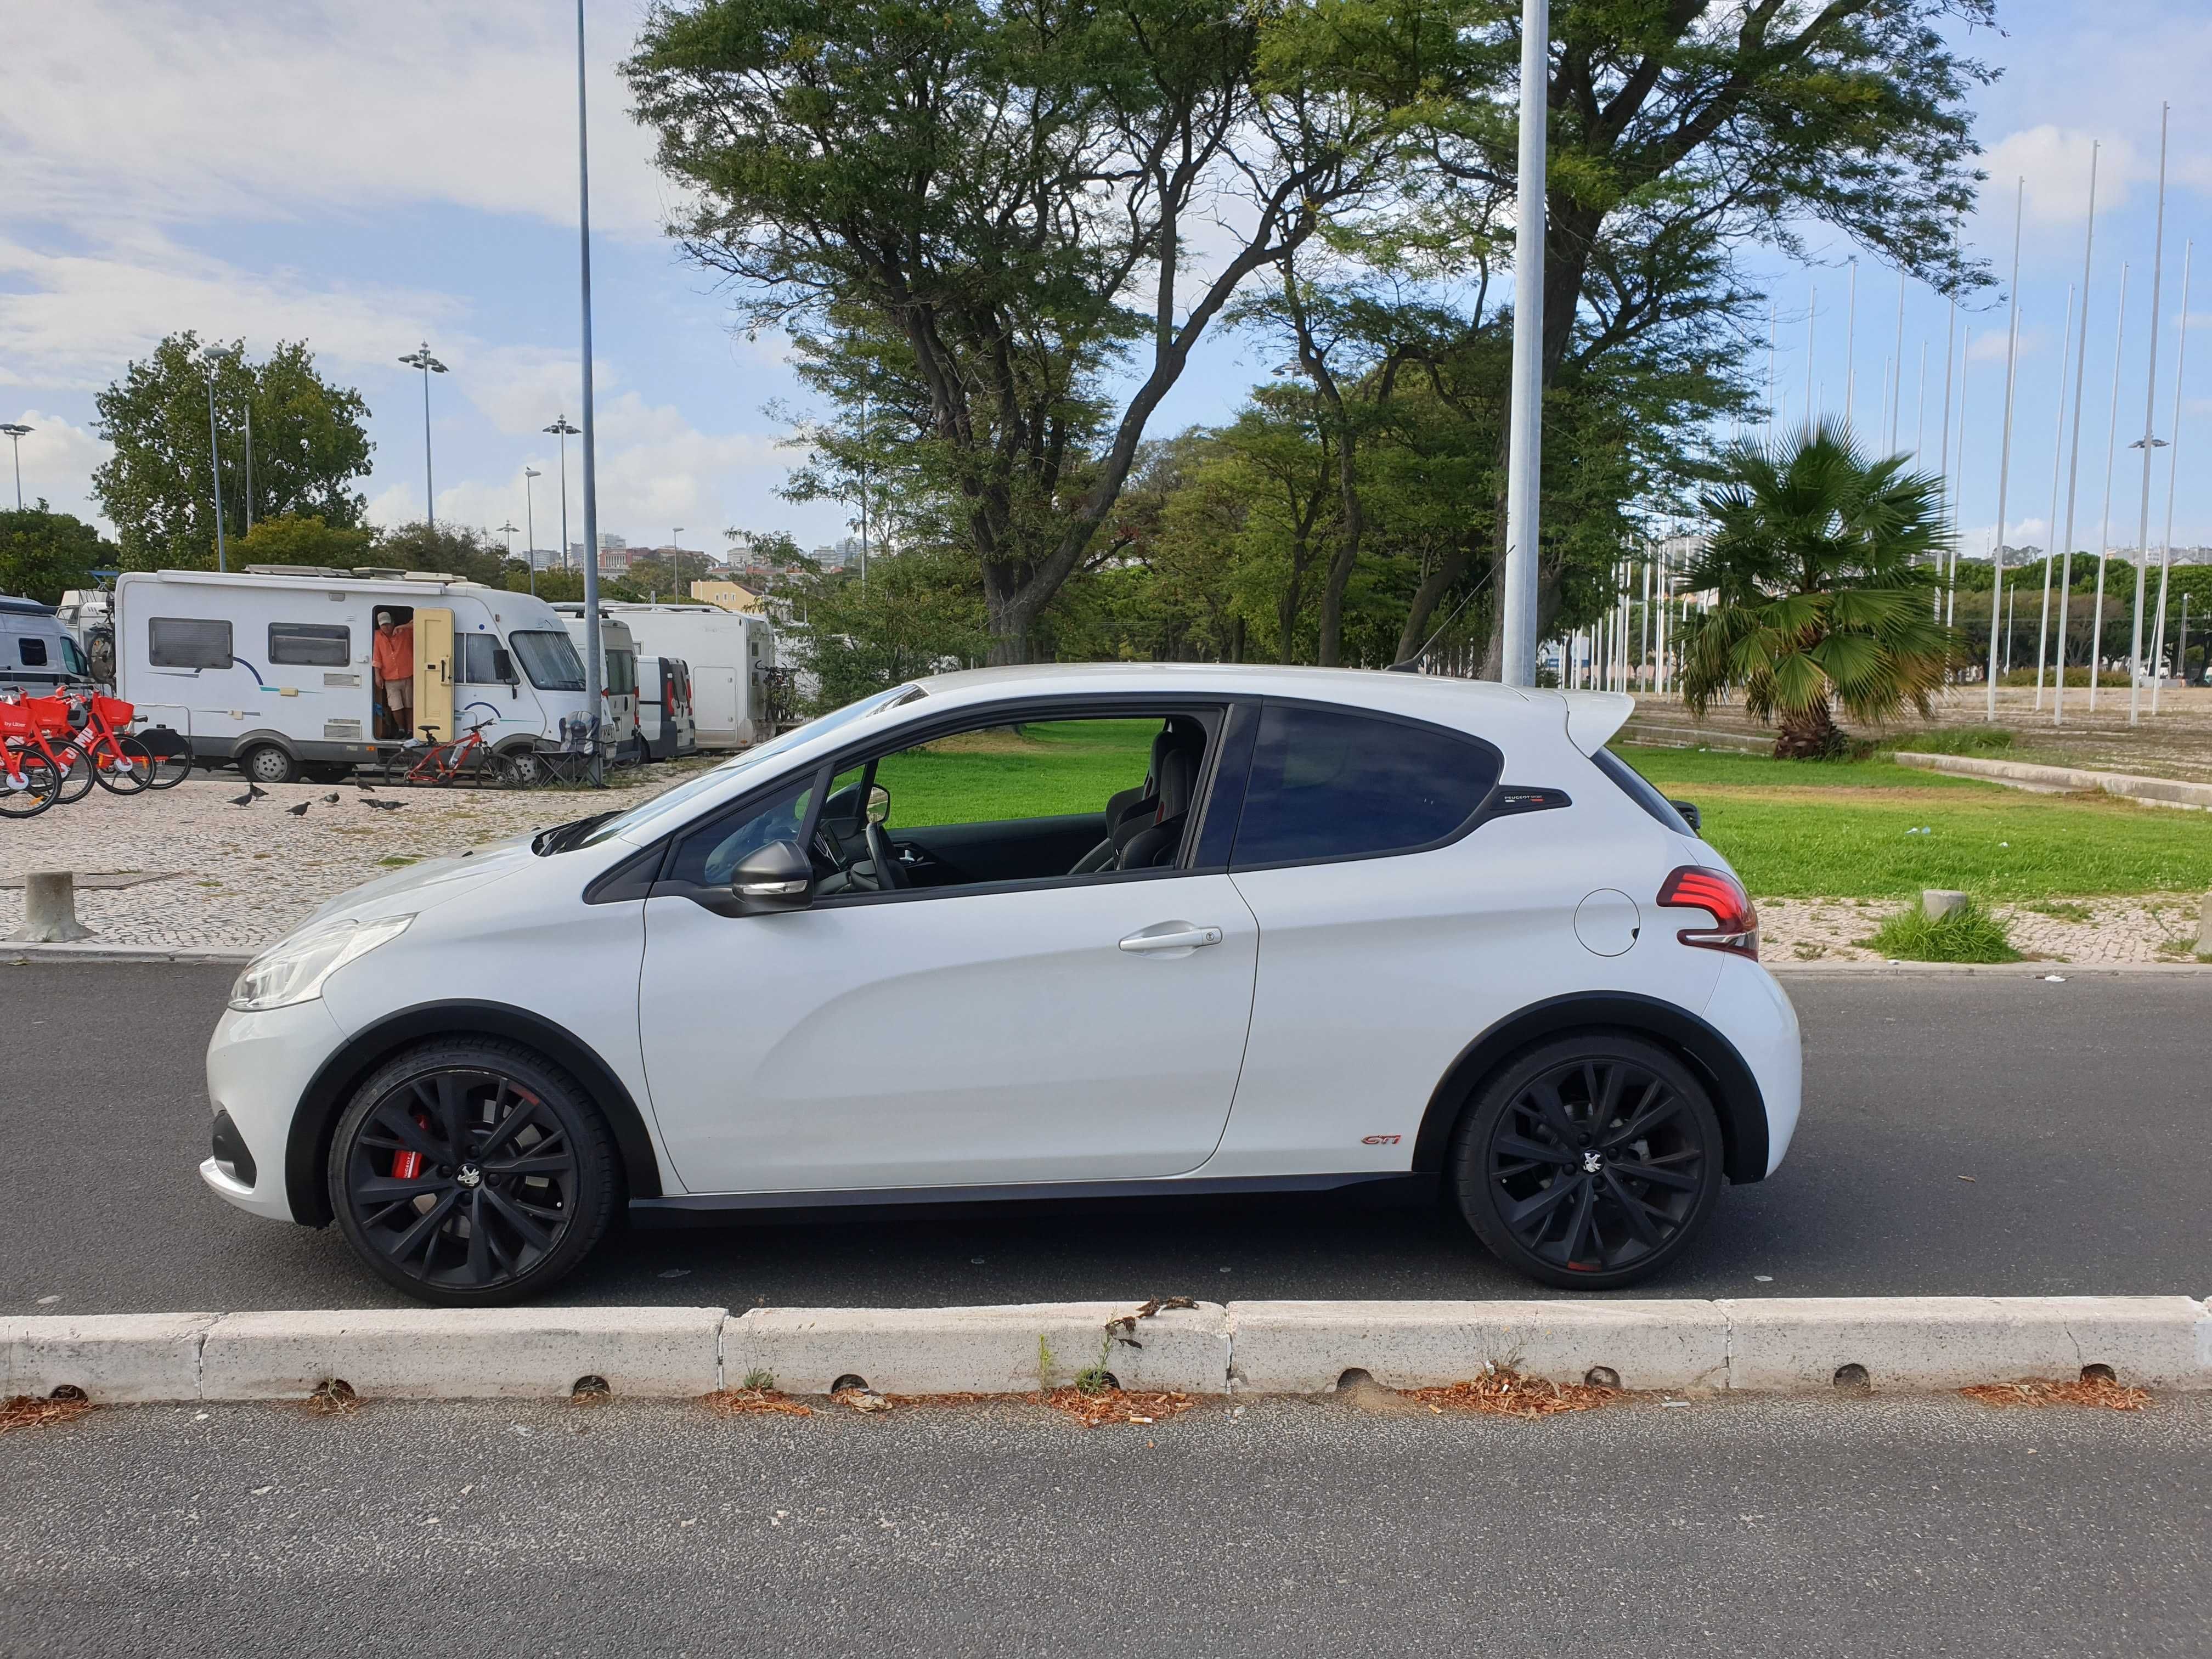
1920,410
1770,370
2173,471
1943,464
2004,456
2050,524
1897,367
1851,344
2149,440
594,686
2104,533
1959,486
1811,312
1525,429
2073,461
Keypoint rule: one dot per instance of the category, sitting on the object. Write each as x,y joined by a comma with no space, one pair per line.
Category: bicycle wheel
40,786
172,766
76,779
131,773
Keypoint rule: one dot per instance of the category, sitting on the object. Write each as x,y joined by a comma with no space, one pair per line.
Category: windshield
649,815
549,659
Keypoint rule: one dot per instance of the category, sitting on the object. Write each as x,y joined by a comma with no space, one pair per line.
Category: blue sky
364,177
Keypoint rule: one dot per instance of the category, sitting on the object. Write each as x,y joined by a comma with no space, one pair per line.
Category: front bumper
258,1066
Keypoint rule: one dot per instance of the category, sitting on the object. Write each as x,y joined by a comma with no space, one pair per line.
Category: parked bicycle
30,781
437,763
120,760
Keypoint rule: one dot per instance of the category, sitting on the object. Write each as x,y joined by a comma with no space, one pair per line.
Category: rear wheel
77,778
472,1172
32,786
130,775
173,761
1589,1163
269,762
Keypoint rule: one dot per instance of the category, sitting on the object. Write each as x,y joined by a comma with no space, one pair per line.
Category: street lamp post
561,429
530,521
420,358
592,686
215,461
1525,429
17,432
507,530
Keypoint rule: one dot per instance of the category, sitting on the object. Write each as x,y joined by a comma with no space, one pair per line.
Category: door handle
1183,938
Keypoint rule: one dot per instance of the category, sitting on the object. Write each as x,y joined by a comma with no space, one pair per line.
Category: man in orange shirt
395,672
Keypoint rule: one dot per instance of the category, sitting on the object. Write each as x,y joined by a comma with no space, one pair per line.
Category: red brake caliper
405,1166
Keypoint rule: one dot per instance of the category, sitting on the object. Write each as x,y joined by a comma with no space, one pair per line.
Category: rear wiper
562,836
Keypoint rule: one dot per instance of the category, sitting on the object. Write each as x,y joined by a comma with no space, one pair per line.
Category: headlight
294,970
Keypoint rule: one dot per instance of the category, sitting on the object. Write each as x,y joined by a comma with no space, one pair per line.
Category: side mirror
502,665
777,877
1690,816
880,804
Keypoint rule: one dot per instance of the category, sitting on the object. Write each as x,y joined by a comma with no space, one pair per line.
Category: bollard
1937,903
2204,926
49,910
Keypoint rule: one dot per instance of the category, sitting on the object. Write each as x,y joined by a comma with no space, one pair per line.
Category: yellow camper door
433,671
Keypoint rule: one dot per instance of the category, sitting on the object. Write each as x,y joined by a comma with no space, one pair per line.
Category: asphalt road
1931,1527
1962,1135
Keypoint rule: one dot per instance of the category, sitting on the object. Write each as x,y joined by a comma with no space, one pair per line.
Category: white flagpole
2050,524
2173,471
1920,414
1943,464
1959,486
2004,457
2104,533
1850,343
1812,313
1897,367
2150,440
2073,461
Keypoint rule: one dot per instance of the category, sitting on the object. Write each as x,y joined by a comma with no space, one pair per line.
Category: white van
36,652
618,675
665,728
271,666
727,653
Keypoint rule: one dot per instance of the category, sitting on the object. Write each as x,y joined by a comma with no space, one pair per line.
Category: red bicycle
29,782
103,735
467,756
79,739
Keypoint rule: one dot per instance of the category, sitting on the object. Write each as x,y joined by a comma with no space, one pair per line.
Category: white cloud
58,459
2054,162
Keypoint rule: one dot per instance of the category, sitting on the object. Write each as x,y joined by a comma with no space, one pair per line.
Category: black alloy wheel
1590,1163
472,1173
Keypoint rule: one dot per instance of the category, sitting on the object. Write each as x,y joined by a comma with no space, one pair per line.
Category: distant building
731,596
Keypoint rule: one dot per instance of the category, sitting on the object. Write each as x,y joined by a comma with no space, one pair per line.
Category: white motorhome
617,675
272,666
727,653
36,652
666,729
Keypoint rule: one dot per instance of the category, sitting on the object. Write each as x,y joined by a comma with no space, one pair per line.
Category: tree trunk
1809,735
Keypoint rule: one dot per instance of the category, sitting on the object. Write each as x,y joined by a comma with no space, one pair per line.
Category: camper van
665,728
726,652
273,667
36,652
618,675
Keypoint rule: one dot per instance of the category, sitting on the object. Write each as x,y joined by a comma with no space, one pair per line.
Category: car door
1072,1030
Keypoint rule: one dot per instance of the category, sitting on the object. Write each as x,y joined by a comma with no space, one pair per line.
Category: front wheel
1590,1162
472,1172
127,771
28,787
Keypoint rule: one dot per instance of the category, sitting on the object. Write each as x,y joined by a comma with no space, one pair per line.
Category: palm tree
1819,598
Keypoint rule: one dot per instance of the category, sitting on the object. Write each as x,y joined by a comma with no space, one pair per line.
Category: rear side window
622,673
32,651
1327,784
187,642
479,661
1638,789
311,645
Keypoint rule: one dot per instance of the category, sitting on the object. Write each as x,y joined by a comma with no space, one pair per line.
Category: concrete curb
1991,970
19,955
2065,780
1778,1344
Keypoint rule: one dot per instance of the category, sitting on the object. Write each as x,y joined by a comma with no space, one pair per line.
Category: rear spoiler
1595,716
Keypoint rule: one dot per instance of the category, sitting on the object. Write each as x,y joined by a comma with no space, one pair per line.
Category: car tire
269,763
516,1208
1589,1162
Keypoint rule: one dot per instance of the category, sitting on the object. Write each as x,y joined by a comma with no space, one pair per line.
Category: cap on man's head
384,619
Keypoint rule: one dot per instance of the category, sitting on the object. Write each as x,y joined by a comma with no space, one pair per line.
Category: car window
312,644
1329,784
708,856
1637,788
73,660
1035,769
187,642
478,659
622,673
32,651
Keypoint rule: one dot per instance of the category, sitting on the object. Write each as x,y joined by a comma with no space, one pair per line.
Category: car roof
1483,707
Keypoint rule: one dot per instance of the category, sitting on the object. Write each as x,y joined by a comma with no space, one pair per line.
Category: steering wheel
826,849
889,872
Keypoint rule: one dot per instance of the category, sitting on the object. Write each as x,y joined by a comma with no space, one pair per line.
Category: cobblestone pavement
235,878
2155,927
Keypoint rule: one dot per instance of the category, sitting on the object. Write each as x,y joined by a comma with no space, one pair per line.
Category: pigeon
299,811
255,791
385,805
363,784
330,799
245,799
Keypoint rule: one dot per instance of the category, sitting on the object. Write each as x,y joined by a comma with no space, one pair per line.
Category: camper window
480,662
32,650
311,645
549,659
187,642
622,673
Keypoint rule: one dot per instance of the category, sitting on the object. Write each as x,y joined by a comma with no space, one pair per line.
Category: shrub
1970,934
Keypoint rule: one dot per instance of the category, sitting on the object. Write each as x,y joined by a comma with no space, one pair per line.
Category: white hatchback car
1023,932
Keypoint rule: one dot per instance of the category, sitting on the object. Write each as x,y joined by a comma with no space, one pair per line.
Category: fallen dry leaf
751,1402
1508,1393
25,1411
2098,1391
1117,1405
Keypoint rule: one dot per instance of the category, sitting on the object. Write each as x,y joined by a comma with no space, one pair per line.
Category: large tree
309,446
977,216
44,553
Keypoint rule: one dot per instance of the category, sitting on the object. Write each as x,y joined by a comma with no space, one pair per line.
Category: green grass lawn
1035,771
1797,829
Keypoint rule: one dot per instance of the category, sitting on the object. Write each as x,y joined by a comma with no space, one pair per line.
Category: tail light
1735,921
